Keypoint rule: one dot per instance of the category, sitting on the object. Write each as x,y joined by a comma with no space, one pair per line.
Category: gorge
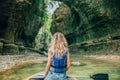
90,26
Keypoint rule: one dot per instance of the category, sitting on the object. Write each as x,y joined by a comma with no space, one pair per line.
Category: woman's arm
48,63
68,60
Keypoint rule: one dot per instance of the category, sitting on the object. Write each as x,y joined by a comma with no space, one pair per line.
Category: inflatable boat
98,76
39,76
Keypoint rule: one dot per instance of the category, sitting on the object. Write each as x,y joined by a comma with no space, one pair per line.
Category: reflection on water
88,67
22,72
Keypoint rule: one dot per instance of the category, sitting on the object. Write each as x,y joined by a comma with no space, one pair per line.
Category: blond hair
58,43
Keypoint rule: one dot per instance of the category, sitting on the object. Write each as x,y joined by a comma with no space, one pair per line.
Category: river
88,66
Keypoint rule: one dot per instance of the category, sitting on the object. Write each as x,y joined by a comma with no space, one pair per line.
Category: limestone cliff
20,21
89,25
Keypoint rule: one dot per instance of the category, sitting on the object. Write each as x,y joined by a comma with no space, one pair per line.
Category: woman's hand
44,75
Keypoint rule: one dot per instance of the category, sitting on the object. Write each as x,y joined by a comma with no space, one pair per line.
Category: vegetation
44,35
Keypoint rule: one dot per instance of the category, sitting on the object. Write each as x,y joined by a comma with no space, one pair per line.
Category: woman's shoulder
67,49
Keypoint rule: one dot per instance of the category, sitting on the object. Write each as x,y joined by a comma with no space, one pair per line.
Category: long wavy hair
58,43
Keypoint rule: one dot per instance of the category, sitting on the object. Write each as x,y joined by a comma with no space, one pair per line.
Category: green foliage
45,16
48,4
44,36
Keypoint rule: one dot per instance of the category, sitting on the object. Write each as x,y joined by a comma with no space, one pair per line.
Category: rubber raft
39,76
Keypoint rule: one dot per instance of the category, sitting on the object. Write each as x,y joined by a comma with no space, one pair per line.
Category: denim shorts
56,76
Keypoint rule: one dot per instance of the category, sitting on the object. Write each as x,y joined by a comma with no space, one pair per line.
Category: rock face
10,48
20,21
89,24
62,20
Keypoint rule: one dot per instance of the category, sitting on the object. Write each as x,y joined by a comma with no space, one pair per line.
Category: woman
58,58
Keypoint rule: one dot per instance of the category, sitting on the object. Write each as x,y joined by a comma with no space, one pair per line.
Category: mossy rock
1,47
11,49
22,50
78,64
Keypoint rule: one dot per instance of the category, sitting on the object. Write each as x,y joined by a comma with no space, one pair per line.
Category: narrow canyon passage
91,27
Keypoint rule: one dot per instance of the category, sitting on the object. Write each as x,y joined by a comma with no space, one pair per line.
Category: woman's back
58,64
58,58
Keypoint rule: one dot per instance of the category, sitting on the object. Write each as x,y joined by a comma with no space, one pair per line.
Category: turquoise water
87,68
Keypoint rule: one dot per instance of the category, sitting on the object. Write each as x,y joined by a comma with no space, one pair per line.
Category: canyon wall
20,21
89,25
